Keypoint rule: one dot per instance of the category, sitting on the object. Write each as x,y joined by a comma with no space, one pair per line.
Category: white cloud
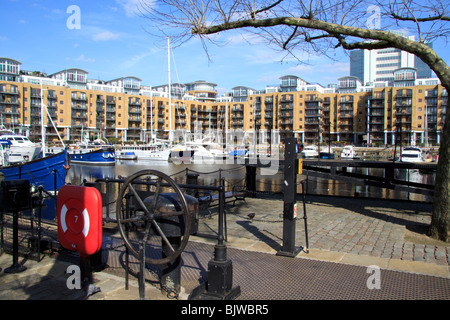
83,58
105,36
132,6
303,69
131,62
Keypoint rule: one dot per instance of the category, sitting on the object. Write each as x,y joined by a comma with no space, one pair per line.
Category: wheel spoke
163,236
134,219
139,200
155,198
163,215
147,221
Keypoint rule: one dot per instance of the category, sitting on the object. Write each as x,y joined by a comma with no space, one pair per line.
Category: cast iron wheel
138,222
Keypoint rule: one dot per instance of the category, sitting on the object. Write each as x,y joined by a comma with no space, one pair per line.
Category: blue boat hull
49,172
102,156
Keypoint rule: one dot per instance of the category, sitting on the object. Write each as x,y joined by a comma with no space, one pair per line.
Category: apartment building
379,65
407,109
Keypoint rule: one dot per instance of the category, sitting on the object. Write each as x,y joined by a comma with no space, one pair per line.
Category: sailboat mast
42,122
170,92
151,116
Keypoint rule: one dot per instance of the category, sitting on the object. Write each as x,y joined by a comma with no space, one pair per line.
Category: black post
2,178
250,178
304,215
141,280
16,267
41,190
86,276
191,178
220,269
55,179
290,192
171,272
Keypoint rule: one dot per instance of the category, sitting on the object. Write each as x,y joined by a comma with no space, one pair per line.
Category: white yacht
310,152
348,153
412,154
5,146
21,149
152,151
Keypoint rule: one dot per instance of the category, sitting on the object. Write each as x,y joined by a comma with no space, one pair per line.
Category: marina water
234,175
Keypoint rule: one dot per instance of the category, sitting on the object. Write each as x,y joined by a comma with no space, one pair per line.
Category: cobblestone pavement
350,231
365,227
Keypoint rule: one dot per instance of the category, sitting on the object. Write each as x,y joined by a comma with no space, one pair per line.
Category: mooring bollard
191,178
220,269
290,191
250,178
16,197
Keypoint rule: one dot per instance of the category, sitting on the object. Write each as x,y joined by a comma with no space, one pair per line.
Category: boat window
410,155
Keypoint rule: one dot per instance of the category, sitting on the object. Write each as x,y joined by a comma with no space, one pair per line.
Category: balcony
135,111
78,124
52,96
78,107
314,99
79,116
134,119
80,98
134,103
346,108
407,94
287,98
285,107
376,96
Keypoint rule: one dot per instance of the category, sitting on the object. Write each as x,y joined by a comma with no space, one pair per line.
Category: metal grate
263,276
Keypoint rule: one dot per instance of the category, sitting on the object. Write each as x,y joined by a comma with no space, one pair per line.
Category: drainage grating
264,276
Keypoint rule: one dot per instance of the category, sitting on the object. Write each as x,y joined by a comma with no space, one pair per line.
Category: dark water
234,175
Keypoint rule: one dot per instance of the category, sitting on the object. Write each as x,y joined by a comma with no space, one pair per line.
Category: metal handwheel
141,220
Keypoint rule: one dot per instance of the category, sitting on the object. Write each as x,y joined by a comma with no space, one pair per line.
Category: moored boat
411,154
157,151
96,152
48,172
126,155
22,149
348,153
309,152
93,155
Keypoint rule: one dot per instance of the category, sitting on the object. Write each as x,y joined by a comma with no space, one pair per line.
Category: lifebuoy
79,212
77,223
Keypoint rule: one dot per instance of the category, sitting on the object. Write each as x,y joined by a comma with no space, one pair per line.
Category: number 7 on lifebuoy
79,213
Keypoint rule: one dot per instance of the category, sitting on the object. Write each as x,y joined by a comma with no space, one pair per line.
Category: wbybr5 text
227,309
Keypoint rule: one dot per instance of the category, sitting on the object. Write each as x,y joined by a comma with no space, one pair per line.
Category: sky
111,40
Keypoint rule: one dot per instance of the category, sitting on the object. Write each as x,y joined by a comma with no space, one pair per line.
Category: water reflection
234,175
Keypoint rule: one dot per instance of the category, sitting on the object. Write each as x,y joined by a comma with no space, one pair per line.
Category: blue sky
113,43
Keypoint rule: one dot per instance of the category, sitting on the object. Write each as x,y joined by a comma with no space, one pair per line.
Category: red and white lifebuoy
77,222
79,211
